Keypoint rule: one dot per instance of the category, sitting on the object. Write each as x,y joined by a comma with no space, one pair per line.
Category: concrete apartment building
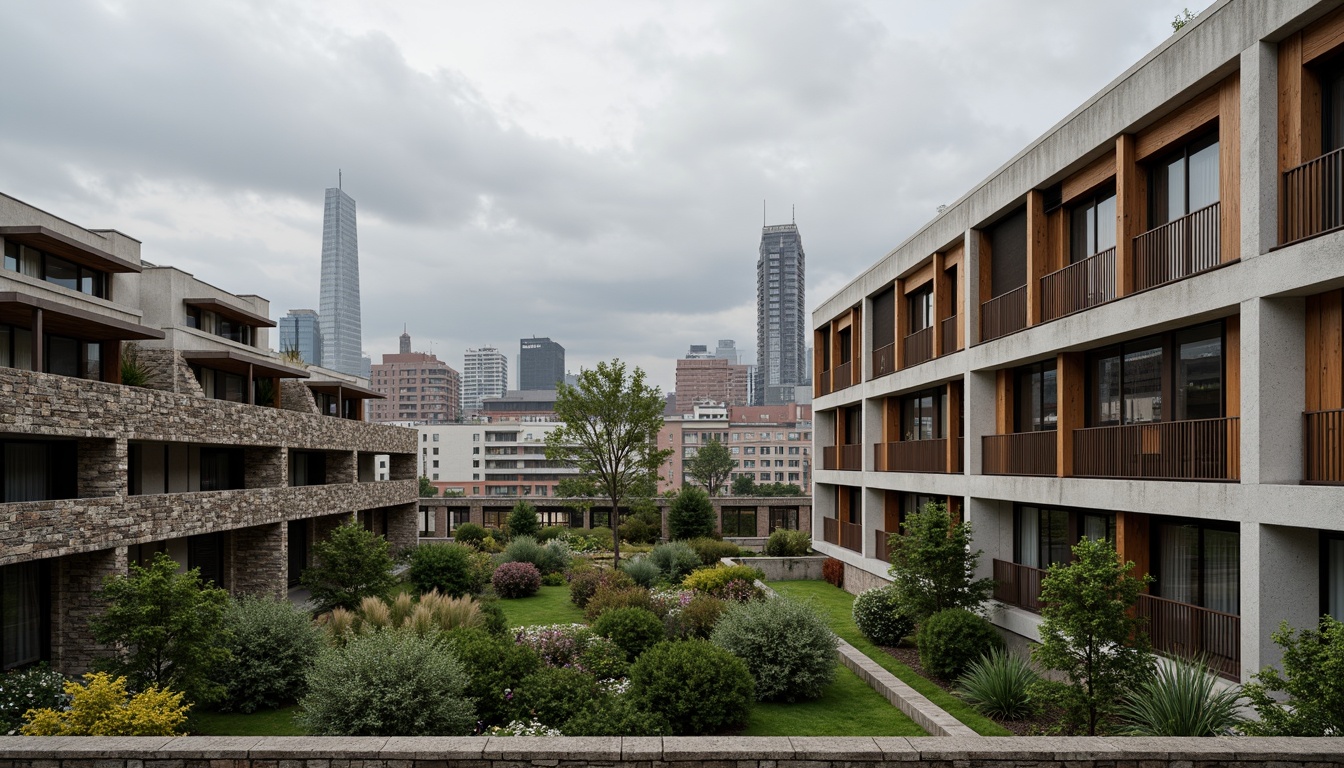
773,444
781,315
485,373
417,387
223,459
1132,329
498,459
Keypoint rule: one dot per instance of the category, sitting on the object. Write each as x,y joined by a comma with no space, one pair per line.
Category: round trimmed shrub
603,659
607,598
711,551
449,568
388,683
585,583
696,686
470,534
697,618
675,559
496,666
786,543
273,644
878,616
516,580
949,641
525,549
642,570
634,630
786,645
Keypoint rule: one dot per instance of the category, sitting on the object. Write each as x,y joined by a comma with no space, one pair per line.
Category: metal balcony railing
1022,453
1178,249
1079,286
1201,449
1313,197
1004,314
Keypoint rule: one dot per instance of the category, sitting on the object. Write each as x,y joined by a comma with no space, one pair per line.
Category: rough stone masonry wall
102,467
260,562
166,371
666,752
296,396
73,605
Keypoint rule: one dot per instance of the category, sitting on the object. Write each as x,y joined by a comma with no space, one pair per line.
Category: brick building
418,388
772,444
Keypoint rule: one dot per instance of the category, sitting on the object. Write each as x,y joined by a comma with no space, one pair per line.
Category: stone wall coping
551,751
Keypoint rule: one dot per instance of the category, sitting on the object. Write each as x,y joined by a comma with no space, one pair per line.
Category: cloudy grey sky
592,171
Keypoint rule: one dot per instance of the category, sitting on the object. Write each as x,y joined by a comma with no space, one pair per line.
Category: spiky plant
1181,699
998,685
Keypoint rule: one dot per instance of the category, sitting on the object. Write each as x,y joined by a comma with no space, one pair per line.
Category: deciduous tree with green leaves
1089,634
933,567
711,466
744,485
350,565
1313,679
427,489
163,628
609,432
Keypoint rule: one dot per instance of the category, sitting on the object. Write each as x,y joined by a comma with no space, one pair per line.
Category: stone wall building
221,456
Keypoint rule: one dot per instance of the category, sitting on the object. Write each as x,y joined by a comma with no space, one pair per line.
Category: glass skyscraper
300,332
338,309
781,322
541,363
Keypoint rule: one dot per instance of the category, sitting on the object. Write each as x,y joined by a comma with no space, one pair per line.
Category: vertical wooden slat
1071,406
1003,406
1129,210
953,417
1229,166
941,300
1038,254
902,323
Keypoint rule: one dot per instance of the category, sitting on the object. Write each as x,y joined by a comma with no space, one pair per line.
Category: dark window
25,611
920,306
855,503
1036,397
911,504
846,337
298,550
921,415
884,318
1092,225
12,256
1131,382
206,552
221,469
194,318
307,468
61,272
494,518
1198,562
38,471
1332,575
93,360
1184,181
1044,536
62,356
739,521
785,518
853,417
1008,254
1331,77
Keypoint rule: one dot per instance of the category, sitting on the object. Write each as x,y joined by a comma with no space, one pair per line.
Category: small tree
1313,679
349,566
523,520
691,514
427,489
609,432
744,485
165,629
933,567
1088,633
711,466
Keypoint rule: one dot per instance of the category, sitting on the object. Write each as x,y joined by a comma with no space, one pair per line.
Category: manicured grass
549,606
847,708
838,606
270,722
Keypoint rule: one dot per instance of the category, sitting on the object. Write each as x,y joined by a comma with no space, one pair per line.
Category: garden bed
1037,725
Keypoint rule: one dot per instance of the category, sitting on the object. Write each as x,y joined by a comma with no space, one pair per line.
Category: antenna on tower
762,211
794,212
338,179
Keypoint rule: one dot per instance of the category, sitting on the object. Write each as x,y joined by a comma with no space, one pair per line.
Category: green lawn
838,606
847,708
270,722
549,606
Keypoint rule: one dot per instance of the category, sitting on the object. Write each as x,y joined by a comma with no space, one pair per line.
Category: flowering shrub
584,584
833,571
103,707
669,602
603,658
523,728
607,598
877,614
558,645
715,581
516,580
36,687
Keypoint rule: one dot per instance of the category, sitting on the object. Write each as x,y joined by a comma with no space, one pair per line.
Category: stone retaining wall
665,752
787,568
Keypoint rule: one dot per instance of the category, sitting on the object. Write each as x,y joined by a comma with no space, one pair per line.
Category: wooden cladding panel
1130,202
941,301
1071,406
1322,37
891,512
953,419
1173,128
902,322
919,278
1229,165
1132,537
1325,351
1003,402
1038,254
985,265
1095,174
891,420
856,346
956,257
1232,366
1299,105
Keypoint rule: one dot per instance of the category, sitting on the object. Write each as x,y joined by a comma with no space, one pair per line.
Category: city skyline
611,162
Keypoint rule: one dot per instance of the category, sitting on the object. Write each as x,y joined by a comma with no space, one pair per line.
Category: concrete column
991,530
1273,389
823,505
260,562
979,397
265,467
971,268
102,468
74,580
763,520
1280,581
1259,149
873,518
872,433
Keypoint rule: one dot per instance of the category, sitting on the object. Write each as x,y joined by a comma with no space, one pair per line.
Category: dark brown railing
1018,585
883,550
1079,286
1191,632
884,360
848,457
824,384
851,536
950,344
1202,449
1323,441
912,456
1004,314
1023,453
1176,250
842,376
830,530
1313,197
919,347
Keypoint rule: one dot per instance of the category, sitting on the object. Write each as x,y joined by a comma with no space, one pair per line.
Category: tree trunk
615,520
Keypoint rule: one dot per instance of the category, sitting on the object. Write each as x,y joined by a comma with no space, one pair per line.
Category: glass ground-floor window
24,614
1332,575
783,517
1199,563
1045,536
739,521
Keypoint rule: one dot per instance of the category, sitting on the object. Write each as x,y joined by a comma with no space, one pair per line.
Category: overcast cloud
589,171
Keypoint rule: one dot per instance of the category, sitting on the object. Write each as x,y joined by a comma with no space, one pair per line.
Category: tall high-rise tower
541,363
300,332
338,309
781,323
485,373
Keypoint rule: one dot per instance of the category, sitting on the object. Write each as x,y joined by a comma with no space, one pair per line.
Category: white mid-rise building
507,459
485,373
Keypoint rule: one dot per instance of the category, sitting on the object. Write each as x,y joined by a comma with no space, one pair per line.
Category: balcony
1190,632
843,376
1079,286
1022,453
1313,198
1018,585
824,383
847,535
949,336
1176,250
919,347
884,360
1201,449
883,550
914,456
843,457
1004,314
1323,441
